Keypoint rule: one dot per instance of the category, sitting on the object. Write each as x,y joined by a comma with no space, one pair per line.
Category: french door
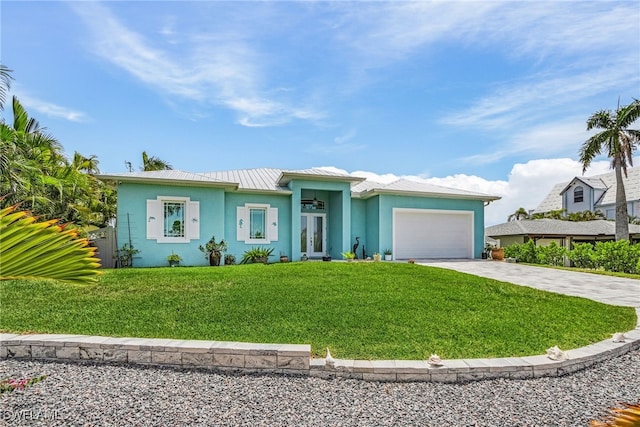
313,234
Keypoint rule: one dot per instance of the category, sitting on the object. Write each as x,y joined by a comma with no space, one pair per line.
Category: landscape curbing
295,359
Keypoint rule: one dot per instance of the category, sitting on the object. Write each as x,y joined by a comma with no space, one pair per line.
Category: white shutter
272,224
154,219
242,223
193,220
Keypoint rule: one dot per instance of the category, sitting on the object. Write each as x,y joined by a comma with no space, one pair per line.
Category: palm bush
257,254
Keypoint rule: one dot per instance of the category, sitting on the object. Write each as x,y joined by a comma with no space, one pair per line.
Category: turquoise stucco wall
388,202
373,225
338,216
282,202
359,225
132,216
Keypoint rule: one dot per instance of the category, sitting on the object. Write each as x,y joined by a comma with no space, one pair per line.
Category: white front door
313,234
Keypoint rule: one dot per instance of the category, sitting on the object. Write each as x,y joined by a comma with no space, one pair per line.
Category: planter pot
174,263
377,257
326,258
484,255
387,257
262,260
214,260
284,258
497,254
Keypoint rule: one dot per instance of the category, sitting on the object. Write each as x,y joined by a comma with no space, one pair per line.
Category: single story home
564,233
299,213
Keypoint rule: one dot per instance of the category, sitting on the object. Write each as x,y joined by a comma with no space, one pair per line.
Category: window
173,225
257,222
173,219
578,194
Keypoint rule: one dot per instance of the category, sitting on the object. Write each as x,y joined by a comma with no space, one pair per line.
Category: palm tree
519,214
619,143
5,84
153,163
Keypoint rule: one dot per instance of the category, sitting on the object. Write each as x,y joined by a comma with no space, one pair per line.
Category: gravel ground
107,395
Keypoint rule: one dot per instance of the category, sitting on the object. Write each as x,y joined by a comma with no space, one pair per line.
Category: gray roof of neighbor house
556,227
607,181
275,180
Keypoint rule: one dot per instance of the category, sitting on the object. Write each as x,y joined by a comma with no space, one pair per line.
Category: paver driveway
606,289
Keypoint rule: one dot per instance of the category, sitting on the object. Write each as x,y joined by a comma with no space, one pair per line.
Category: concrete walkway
606,289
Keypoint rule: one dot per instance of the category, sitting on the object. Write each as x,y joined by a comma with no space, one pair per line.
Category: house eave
168,181
378,191
286,177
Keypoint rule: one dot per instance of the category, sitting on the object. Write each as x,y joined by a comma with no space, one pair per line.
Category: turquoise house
299,213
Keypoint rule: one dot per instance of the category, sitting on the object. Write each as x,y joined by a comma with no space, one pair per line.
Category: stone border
294,359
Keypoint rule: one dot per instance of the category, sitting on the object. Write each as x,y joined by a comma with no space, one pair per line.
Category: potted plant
387,254
349,256
213,250
497,254
326,257
229,259
377,257
283,257
174,259
256,255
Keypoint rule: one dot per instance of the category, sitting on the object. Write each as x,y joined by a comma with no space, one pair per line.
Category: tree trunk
622,216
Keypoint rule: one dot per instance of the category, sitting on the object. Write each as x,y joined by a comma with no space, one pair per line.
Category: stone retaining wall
294,359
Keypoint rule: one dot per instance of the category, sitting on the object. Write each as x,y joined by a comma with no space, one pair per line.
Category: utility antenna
128,165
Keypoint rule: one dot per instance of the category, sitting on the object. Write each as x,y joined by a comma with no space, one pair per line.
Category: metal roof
607,181
275,180
405,186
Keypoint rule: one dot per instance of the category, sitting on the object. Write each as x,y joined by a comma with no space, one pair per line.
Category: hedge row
620,256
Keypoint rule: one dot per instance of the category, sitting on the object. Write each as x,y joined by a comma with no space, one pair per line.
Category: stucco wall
132,219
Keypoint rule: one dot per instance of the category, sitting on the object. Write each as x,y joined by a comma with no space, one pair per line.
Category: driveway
606,289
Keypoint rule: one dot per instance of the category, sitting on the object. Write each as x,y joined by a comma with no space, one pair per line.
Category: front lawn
359,310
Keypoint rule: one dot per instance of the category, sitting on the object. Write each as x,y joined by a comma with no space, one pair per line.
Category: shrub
257,255
552,254
582,255
618,256
522,252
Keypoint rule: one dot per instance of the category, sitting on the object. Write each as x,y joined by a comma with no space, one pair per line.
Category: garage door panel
429,234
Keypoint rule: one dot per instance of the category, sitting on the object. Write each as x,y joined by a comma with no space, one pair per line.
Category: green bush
583,255
552,254
620,256
526,252
256,255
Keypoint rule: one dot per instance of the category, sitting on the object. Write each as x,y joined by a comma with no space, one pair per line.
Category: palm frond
43,250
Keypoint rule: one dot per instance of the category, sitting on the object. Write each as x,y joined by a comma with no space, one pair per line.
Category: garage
428,233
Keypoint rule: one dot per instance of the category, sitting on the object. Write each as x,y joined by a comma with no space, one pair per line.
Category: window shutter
154,219
242,223
272,224
193,220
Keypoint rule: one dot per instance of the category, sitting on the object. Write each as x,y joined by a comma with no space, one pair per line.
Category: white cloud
223,70
527,184
51,109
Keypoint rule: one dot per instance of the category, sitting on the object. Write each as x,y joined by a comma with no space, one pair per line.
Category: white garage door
425,233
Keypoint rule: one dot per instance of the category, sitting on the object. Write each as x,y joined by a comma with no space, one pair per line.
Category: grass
359,310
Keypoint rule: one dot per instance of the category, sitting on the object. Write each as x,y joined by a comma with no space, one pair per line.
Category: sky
487,96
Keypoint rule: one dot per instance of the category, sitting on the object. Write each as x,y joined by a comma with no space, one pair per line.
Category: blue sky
485,95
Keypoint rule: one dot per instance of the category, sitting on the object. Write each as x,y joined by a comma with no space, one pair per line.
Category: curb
294,359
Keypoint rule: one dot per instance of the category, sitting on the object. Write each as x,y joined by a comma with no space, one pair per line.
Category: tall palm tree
153,163
519,214
619,142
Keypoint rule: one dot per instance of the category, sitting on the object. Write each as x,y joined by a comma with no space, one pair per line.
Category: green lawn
359,310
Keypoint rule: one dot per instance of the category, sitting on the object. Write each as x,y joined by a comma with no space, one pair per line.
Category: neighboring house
309,212
594,193
564,233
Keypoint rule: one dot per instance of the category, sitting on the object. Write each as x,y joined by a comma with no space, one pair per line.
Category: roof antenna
128,165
